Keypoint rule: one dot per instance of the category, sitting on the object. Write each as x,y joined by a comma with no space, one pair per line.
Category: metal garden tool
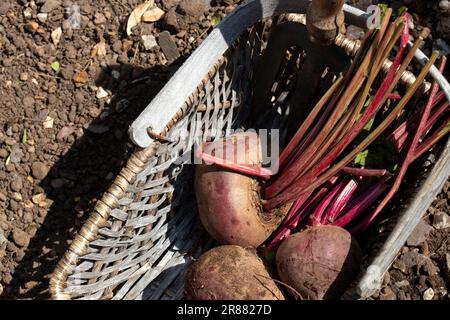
316,40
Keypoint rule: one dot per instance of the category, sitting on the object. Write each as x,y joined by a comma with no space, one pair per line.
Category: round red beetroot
229,203
230,273
319,262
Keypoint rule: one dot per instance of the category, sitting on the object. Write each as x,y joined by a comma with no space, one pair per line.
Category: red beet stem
435,138
352,84
310,180
394,96
342,199
298,137
361,204
316,217
361,172
301,209
400,135
254,171
409,158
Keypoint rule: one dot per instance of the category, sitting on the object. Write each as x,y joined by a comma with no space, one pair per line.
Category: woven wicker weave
138,242
146,225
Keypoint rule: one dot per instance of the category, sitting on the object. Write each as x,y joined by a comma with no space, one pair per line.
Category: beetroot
230,273
229,202
319,262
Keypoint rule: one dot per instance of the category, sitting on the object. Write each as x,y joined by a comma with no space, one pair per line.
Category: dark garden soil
68,94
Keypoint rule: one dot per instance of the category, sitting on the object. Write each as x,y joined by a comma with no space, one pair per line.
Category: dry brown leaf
153,15
136,14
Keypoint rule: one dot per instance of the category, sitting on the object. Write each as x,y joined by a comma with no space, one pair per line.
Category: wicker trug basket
139,240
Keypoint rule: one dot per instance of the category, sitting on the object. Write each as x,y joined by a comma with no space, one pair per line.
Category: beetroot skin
230,273
229,203
319,262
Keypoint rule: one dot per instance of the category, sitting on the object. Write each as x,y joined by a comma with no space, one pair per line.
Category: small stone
3,197
16,196
414,261
10,141
95,112
27,13
101,93
181,34
27,217
402,284
147,28
168,46
80,77
39,170
169,4
31,284
38,198
50,5
99,18
3,239
387,294
56,35
20,237
32,26
126,45
419,235
4,153
28,101
386,279
428,294
16,153
174,21
115,74
149,41
194,8
48,122
42,17
117,46
441,220
67,73
64,133
153,15
23,76
17,184
444,5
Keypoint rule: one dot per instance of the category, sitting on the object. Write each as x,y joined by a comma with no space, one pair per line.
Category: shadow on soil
87,169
